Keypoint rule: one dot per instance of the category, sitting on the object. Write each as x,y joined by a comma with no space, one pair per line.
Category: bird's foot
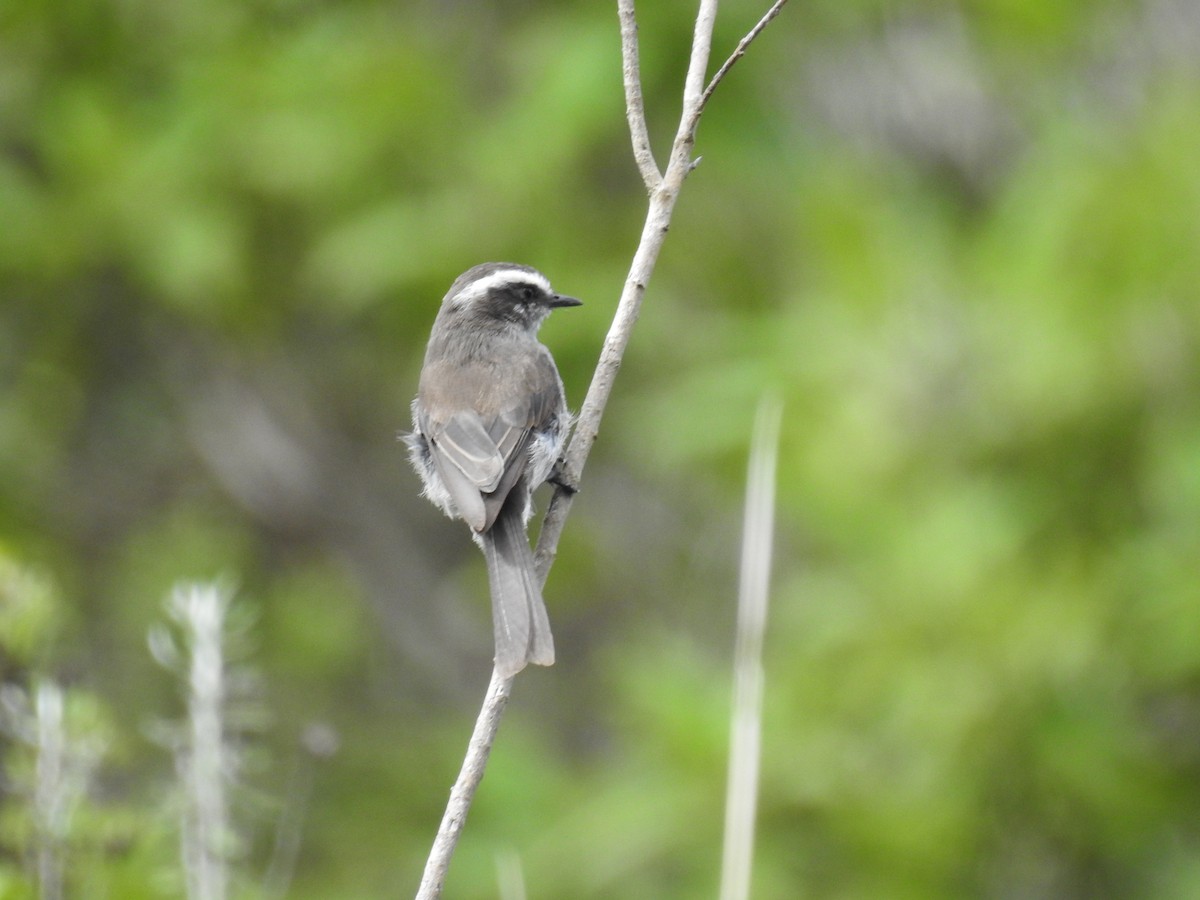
559,479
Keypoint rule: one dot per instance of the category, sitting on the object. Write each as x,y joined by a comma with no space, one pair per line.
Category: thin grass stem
741,797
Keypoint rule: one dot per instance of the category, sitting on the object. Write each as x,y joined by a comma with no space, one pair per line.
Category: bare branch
464,788
740,50
654,232
693,84
635,111
664,191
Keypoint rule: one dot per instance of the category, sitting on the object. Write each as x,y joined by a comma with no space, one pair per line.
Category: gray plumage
489,422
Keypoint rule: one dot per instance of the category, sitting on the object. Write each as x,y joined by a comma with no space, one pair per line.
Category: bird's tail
518,611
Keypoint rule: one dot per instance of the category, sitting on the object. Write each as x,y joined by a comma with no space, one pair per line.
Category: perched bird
489,422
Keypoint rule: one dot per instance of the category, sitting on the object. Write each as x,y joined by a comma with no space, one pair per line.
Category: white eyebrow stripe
502,277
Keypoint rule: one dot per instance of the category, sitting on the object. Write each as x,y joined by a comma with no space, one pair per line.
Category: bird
489,423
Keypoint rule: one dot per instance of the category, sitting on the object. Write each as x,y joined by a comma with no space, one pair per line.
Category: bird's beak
558,300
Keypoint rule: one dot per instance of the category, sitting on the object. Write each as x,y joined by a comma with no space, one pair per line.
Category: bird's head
506,294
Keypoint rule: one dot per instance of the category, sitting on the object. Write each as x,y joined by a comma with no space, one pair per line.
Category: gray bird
489,422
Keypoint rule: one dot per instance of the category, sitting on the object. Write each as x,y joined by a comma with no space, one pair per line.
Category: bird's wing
511,434
513,429
469,463
468,501
480,462
473,448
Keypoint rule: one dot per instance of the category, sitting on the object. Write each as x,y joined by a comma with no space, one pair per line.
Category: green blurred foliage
960,241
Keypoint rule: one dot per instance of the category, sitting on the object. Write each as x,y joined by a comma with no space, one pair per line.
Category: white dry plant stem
63,765
741,795
663,189
207,825
205,760
52,795
510,876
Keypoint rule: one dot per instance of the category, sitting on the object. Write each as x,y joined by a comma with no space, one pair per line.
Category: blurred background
961,241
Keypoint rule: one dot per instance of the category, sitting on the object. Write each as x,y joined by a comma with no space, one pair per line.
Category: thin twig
464,788
635,110
741,794
738,53
740,50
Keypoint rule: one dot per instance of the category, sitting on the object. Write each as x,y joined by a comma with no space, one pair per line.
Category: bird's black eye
527,293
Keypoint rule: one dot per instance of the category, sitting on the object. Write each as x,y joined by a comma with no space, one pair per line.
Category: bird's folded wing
469,464
466,443
507,433
468,502
511,436
480,462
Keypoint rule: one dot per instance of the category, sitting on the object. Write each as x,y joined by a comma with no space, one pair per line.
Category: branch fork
663,188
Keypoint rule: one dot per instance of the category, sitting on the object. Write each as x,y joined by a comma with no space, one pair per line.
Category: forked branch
663,188
740,51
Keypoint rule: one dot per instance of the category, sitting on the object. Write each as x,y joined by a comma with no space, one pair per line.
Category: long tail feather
518,611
